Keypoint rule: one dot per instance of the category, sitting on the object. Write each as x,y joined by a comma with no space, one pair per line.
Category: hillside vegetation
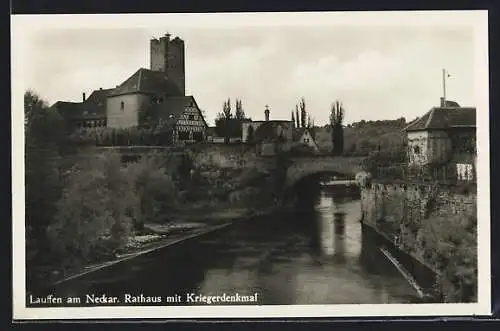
362,138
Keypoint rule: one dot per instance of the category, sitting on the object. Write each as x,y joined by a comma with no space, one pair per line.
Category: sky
378,72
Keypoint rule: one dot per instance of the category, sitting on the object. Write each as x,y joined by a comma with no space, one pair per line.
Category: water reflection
317,254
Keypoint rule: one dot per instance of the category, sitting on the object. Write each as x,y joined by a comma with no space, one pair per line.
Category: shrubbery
104,202
121,137
301,150
155,188
98,206
450,243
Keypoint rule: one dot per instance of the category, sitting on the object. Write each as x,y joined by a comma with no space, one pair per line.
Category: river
317,254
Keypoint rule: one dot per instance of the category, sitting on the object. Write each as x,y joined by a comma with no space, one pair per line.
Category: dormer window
122,106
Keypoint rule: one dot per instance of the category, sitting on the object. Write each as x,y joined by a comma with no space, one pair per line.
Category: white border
21,24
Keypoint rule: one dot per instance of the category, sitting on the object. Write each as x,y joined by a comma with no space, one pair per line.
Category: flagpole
444,87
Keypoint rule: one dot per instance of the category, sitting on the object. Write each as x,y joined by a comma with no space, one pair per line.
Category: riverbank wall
434,224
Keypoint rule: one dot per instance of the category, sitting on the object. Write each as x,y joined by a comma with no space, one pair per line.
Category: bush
95,210
155,188
450,245
301,150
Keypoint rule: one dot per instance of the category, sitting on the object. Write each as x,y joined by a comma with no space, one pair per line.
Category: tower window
122,105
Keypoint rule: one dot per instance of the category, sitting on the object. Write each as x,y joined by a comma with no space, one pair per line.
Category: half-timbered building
152,97
179,117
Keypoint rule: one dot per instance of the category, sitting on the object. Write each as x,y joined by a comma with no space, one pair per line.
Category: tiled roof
170,109
69,110
148,81
95,104
94,107
267,130
445,118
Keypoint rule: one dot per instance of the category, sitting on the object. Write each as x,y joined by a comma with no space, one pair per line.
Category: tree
228,125
222,124
44,137
293,120
303,113
336,122
226,109
297,117
239,112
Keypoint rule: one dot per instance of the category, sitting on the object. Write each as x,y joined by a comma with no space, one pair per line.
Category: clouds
378,72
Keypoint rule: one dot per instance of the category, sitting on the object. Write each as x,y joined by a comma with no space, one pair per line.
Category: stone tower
168,56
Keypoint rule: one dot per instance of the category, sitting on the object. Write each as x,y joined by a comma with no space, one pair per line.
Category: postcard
250,165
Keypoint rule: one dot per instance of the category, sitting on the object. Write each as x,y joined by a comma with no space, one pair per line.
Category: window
122,105
191,117
85,113
183,135
465,171
416,149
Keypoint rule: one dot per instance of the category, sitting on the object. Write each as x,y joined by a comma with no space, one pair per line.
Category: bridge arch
303,167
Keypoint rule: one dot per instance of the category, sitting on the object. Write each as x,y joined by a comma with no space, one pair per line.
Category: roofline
431,111
443,128
267,121
131,92
196,103
446,108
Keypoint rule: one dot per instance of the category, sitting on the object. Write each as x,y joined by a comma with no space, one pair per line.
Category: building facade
444,140
269,136
305,137
153,97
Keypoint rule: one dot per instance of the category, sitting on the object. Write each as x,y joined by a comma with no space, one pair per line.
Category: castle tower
266,113
168,56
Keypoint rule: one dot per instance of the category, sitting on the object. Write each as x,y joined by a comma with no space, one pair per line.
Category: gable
149,82
191,115
306,134
176,111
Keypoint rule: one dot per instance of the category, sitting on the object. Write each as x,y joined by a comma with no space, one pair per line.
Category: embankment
435,225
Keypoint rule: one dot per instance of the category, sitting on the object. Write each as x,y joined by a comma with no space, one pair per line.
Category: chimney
266,113
442,103
83,96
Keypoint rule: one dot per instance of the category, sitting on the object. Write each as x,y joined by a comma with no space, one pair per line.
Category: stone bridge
302,167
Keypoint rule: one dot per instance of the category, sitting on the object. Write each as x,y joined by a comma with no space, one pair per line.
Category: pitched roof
170,109
67,109
267,130
298,132
148,81
94,107
445,118
95,104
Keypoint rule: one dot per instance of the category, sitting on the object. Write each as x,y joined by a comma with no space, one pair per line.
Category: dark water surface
318,254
